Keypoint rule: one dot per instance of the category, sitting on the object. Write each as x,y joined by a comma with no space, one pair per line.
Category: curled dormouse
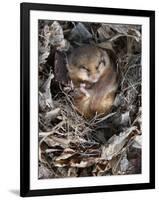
94,76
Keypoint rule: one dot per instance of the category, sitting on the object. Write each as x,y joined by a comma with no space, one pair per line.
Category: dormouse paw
83,90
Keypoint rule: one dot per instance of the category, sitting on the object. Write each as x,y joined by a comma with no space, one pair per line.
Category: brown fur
102,91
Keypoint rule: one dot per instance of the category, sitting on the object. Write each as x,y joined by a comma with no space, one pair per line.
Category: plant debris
69,145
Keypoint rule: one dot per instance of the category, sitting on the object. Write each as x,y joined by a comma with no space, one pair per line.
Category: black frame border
25,9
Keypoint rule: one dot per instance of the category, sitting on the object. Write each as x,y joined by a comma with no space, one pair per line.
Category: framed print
87,99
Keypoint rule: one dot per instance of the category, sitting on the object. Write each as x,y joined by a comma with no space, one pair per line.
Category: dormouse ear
105,57
109,57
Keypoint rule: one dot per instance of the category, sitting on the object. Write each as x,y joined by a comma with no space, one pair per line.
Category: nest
69,145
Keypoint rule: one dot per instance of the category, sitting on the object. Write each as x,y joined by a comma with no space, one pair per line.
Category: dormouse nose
94,78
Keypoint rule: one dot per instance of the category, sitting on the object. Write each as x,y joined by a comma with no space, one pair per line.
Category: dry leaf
115,144
57,38
61,73
80,33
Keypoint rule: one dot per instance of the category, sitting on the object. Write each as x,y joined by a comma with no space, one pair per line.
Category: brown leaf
80,33
44,172
61,73
101,167
57,37
115,144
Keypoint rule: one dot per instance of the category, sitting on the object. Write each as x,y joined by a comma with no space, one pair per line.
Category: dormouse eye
83,67
97,67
